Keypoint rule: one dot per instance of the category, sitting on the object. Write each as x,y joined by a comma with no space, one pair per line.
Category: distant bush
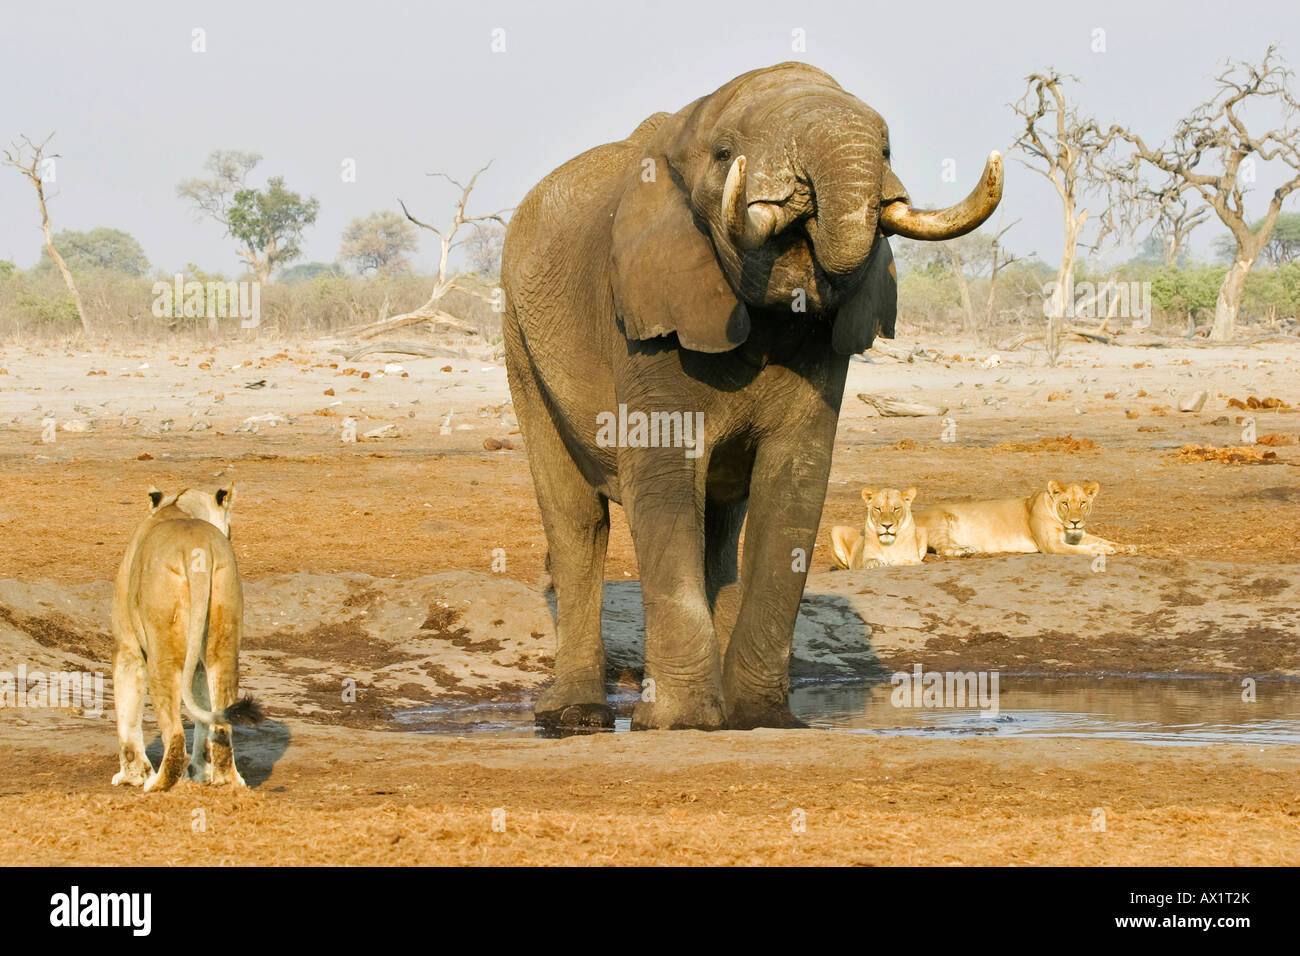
103,248
309,270
35,305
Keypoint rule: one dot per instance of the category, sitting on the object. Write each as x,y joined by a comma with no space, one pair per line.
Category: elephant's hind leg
722,524
577,530
576,519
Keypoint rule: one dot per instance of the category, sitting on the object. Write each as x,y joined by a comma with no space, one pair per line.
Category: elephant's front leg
787,492
664,497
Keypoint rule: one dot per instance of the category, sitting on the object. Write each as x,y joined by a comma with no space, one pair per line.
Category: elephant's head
774,192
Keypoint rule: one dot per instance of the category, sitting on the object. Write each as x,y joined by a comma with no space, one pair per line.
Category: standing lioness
1050,521
178,611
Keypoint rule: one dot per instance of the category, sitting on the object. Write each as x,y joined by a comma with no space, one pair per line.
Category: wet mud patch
59,632
347,644
1139,616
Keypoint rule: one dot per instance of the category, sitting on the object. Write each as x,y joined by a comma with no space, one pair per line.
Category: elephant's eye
722,154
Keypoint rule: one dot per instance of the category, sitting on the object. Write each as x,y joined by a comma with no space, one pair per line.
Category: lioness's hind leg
221,751
165,692
941,538
128,694
845,546
224,632
200,759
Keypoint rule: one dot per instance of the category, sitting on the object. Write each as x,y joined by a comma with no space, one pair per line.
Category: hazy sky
406,88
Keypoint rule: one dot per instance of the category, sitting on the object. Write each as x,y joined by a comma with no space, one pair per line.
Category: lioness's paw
132,776
232,778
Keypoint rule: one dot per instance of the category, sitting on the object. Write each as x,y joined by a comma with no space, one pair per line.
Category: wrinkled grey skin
624,284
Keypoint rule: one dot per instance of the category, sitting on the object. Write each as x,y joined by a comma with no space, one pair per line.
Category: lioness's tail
243,711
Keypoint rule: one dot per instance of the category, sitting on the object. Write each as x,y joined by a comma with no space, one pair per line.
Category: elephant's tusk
749,226
900,219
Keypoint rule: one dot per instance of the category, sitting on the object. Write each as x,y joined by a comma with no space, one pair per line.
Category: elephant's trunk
840,153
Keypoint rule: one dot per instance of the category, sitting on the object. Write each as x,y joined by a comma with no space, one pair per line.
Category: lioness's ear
1054,488
665,276
225,496
868,494
872,309
1092,489
909,496
155,498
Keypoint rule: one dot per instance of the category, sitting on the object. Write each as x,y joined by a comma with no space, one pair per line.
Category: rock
383,431
270,418
1193,401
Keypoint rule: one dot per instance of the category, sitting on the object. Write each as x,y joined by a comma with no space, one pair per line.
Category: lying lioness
1049,521
178,611
890,537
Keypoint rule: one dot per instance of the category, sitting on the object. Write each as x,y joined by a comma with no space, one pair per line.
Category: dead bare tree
1175,218
1000,259
1214,134
957,257
29,159
431,311
1062,146
971,256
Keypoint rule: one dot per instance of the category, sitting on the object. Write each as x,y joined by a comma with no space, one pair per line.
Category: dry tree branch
430,311
14,156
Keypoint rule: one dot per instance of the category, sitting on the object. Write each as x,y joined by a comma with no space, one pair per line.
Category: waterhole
1157,710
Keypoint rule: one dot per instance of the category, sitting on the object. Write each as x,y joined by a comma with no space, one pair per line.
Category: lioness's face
889,511
1072,505
207,504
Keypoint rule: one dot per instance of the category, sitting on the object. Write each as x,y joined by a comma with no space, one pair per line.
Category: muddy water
1153,710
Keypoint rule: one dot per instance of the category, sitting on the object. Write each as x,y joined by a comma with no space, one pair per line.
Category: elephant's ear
665,275
873,308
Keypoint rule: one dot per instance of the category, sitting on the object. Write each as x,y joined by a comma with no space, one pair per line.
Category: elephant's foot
766,715
747,710
680,708
575,705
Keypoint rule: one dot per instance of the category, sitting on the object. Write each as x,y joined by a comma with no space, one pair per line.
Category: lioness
889,538
1049,521
178,610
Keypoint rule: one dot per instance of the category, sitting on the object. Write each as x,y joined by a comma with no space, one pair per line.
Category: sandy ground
351,549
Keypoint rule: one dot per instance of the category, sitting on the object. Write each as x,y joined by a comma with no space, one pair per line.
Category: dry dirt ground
1213,587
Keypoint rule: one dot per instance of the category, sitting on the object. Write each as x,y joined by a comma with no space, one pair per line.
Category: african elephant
710,275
